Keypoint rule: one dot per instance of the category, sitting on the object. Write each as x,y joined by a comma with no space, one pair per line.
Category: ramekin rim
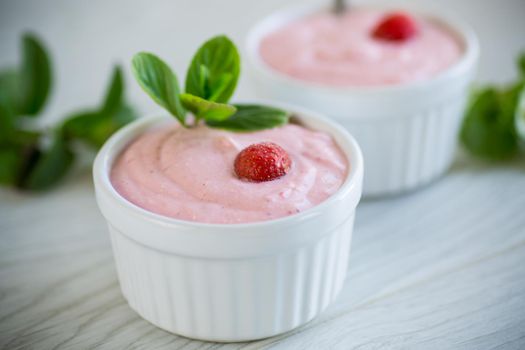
102,167
459,27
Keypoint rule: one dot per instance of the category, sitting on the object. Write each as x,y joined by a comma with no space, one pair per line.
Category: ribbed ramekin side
232,299
407,151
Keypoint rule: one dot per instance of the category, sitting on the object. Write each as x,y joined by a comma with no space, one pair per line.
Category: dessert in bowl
197,257
188,174
398,81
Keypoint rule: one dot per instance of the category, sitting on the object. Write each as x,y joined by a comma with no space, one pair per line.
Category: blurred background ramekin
408,132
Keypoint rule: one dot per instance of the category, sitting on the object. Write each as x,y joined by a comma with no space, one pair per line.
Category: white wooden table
440,268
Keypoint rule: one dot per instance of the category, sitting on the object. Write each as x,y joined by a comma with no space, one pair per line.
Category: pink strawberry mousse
188,174
341,50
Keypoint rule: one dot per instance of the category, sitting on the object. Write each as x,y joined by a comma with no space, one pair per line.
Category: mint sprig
252,118
32,158
211,80
489,128
207,110
94,126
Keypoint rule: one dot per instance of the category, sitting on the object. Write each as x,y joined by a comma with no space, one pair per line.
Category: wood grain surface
440,268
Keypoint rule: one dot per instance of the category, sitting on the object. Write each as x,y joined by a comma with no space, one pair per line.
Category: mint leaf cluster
494,117
211,80
33,158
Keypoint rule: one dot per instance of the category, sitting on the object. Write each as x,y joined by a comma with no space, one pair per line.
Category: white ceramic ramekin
408,132
230,282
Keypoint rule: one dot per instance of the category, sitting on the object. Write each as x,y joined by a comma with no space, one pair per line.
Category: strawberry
396,26
260,162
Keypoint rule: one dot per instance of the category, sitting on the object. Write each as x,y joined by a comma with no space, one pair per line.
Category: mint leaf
158,80
495,119
10,132
26,90
114,93
83,126
51,166
10,164
252,118
488,129
10,91
95,127
214,70
7,115
35,76
24,137
207,110
16,156
124,115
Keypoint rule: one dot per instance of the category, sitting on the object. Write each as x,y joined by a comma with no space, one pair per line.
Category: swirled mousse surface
188,174
341,50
